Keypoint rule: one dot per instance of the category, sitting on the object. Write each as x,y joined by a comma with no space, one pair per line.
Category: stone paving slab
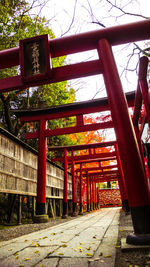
87,241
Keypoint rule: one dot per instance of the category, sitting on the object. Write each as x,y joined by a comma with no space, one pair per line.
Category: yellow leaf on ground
60,253
27,259
53,234
37,251
81,243
107,256
64,245
44,237
89,254
37,245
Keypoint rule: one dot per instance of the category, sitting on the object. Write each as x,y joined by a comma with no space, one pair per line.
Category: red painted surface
84,146
88,191
121,181
73,180
85,41
134,173
99,156
41,177
81,184
58,75
65,176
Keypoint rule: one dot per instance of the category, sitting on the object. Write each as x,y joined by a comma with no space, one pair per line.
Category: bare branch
72,21
125,12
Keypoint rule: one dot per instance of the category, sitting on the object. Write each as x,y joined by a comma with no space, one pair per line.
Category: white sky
65,22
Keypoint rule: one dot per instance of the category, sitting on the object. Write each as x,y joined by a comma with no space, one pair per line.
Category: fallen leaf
37,251
44,237
33,243
89,254
15,254
63,242
79,247
53,234
10,249
27,259
100,254
88,248
118,246
37,245
96,259
26,240
60,253
64,245
21,265
75,249
107,256
17,257
121,230
81,243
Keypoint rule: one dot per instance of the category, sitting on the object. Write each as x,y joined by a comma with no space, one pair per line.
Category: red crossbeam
85,41
82,147
59,74
98,168
98,156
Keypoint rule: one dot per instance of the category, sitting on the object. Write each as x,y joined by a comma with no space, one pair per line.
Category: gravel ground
25,229
139,258
134,258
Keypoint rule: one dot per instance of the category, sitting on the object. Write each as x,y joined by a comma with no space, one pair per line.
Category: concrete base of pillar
42,218
136,239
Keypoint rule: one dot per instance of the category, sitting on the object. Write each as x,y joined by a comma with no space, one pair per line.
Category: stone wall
18,169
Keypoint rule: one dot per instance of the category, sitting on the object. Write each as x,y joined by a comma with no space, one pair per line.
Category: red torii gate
74,160
101,40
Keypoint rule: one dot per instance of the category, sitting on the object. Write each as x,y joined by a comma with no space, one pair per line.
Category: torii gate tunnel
38,72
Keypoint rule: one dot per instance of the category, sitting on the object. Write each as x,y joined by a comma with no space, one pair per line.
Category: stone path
87,241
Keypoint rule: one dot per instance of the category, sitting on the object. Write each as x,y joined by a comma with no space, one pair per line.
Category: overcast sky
75,16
